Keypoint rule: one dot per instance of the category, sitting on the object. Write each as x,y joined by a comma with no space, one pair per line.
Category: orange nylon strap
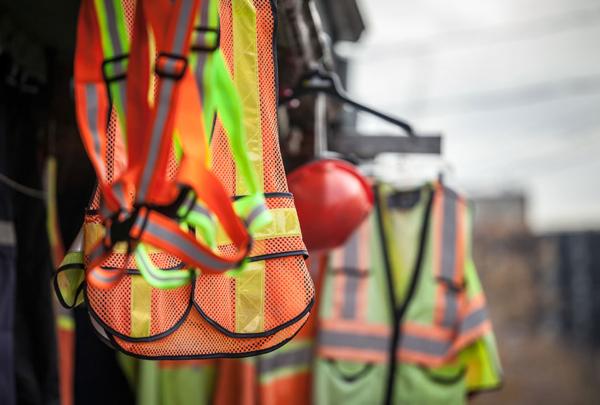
148,168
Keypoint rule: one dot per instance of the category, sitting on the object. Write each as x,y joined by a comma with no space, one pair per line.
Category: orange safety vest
209,314
360,322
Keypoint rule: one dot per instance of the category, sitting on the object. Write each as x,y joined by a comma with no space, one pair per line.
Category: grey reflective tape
204,10
111,16
284,359
202,57
354,341
96,253
123,92
423,345
473,320
450,308
198,209
186,246
150,268
7,234
351,285
119,194
155,140
256,211
182,26
102,277
448,259
91,103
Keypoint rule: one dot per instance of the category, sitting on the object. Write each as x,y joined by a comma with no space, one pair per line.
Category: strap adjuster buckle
205,42
119,64
451,284
170,66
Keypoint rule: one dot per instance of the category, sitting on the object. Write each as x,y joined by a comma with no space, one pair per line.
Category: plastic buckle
204,38
119,61
172,68
451,284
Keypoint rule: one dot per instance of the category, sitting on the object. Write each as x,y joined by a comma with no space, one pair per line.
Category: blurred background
515,87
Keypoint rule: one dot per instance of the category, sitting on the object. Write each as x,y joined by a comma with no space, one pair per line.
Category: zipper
399,311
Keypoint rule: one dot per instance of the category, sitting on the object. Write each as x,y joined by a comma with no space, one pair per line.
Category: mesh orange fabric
199,321
196,335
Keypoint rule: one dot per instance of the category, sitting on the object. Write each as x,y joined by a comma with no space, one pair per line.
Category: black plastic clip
174,72
204,37
118,62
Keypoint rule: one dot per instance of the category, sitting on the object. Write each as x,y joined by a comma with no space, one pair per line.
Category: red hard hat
332,198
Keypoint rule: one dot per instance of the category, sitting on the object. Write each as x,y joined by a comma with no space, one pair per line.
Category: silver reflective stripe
155,140
448,259
450,308
351,284
423,345
119,194
354,341
96,253
473,320
198,209
102,277
120,65
7,234
284,359
164,103
256,211
185,245
111,16
150,268
182,25
202,56
448,268
91,103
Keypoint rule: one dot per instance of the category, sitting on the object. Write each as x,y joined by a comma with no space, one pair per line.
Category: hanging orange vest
212,315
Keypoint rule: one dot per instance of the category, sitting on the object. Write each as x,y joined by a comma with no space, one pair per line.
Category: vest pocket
423,385
349,382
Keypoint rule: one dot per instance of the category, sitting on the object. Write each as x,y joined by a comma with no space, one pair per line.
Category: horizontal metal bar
369,146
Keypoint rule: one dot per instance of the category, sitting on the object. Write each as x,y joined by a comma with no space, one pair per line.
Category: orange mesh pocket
134,310
197,338
266,297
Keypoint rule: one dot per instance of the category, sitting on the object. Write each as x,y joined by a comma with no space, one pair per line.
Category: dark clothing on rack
34,362
7,272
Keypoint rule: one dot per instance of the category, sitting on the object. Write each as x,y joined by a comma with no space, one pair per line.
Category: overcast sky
514,85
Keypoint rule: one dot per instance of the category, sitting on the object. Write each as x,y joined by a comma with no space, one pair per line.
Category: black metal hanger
323,81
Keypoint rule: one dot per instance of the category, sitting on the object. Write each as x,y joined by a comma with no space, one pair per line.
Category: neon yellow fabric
245,76
141,300
284,224
250,299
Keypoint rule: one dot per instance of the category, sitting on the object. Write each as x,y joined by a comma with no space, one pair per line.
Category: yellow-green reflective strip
249,299
245,75
285,224
141,301
94,232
